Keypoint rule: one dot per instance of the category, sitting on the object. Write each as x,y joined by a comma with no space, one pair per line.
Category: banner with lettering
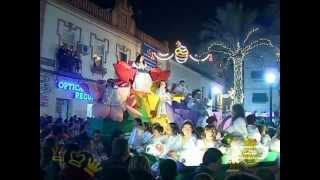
149,58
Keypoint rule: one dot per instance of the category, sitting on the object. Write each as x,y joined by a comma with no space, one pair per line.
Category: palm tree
232,35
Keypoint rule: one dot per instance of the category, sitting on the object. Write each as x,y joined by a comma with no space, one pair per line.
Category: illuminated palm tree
235,38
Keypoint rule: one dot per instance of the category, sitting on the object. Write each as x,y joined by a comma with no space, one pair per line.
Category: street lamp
216,91
270,78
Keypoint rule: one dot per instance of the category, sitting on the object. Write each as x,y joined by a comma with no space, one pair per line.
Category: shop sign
79,93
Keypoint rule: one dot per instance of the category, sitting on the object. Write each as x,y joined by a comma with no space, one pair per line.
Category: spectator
141,175
265,138
96,145
52,140
120,154
203,176
253,131
199,132
275,142
265,174
168,169
116,134
242,176
211,164
139,163
239,125
115,173
181,88
173,138
136,136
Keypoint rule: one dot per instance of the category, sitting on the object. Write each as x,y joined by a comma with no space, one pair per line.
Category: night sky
174,20
182,20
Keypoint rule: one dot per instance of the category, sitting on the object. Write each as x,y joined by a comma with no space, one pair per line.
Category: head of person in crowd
212,120
139,59
157,131
147,127
187,129
138,123
115,173
263,130
120,149
209,133
116,134
168,169
182,83
57,131
212,159
251,119
237,111
139,163
203,176
141,175
71,149
265,174
242,176
199,132
97,136
173,129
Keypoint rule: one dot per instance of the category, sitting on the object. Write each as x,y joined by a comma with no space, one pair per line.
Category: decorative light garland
181,55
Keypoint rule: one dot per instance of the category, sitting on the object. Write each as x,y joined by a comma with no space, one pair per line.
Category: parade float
141,92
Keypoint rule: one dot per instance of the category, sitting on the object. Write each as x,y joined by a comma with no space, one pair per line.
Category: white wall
266,61
50,42
50,37
193,79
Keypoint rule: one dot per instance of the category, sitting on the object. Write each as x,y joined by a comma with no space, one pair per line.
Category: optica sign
79,93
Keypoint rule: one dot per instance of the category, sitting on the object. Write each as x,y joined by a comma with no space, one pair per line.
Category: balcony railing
92,9
68,60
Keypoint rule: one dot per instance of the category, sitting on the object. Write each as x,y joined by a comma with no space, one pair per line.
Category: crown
76,159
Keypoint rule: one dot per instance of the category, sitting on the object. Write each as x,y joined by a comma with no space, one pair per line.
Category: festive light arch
181,55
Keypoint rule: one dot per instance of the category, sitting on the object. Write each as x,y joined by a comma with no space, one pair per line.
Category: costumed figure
164,98
239,125
142,80
186,146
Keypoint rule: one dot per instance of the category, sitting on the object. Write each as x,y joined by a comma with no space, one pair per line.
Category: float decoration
181,55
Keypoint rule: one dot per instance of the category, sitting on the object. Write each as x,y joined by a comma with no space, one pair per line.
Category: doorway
62,108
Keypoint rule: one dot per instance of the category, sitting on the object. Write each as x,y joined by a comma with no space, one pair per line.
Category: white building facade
256,90
92,32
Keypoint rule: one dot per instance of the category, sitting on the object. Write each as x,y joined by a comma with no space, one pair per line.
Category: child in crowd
265,138
136,137
187,146
173,136
208,140
156,146
253,131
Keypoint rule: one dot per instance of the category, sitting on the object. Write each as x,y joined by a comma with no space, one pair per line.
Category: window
123,52
68,37
259,97
89,110
258,75
62,108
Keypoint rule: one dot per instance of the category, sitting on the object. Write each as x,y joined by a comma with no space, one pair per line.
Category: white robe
265,140
238,127
164,98
254,133
142,80
187,151
202,147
